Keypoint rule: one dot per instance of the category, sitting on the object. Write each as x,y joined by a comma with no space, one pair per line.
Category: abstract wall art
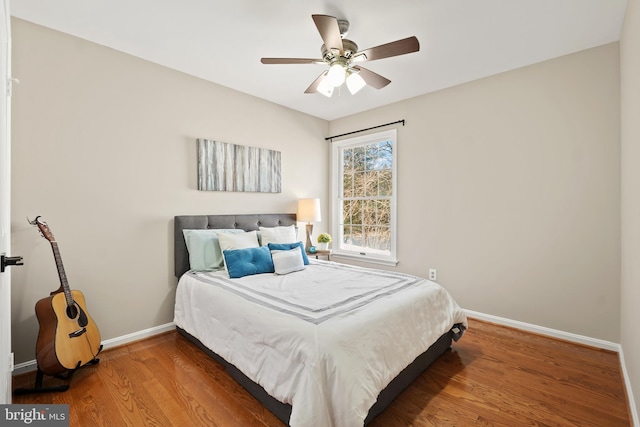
230,167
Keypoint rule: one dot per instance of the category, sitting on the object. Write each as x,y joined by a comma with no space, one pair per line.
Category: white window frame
337,168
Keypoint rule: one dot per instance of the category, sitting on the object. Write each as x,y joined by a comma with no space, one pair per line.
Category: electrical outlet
433,274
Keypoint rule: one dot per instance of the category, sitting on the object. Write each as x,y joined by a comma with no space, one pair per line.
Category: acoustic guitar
68,337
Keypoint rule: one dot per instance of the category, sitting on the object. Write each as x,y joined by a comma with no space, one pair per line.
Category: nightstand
324,253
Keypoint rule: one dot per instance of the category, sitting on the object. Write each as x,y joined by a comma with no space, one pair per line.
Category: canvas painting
229,167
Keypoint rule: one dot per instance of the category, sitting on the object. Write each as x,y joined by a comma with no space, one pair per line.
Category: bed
326,344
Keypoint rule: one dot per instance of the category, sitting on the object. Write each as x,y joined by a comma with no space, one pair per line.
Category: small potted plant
323,241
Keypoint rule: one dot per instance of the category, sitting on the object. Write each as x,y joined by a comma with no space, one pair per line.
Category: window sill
369,259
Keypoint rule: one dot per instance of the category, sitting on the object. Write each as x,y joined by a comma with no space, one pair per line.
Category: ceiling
223,40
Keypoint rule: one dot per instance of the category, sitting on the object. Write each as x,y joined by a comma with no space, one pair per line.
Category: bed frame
279,409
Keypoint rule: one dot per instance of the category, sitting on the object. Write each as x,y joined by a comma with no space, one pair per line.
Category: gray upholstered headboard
195,222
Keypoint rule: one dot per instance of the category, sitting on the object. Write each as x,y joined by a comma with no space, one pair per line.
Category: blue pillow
245,262
287,246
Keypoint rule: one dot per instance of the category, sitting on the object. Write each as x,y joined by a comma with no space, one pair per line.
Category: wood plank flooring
493,376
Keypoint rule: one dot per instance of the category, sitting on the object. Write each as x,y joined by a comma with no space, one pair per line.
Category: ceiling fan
342,55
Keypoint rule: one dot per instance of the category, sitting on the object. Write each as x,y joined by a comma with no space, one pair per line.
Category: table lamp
309,210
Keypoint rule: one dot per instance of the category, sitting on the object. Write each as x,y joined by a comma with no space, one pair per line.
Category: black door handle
6,261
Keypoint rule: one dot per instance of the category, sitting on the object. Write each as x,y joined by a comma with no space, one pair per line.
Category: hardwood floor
493,376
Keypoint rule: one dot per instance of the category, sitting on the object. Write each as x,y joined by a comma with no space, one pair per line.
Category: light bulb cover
324,87
336,75
355,83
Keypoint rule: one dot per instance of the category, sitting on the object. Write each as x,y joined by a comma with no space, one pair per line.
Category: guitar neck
61,274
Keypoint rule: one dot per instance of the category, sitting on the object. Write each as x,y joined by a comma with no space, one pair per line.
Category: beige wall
510,187
104,149
630,88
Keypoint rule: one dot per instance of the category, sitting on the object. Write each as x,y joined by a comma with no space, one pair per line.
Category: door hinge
11,362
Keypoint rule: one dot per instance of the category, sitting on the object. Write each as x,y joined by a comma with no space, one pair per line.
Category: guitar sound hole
72,311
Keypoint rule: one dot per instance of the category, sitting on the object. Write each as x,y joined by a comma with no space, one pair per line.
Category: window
364,197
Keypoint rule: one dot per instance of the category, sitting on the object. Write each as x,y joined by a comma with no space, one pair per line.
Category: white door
6,360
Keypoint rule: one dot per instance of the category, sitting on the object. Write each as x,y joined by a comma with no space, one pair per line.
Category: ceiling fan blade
329,31
313,88
398,47
291,61
372,79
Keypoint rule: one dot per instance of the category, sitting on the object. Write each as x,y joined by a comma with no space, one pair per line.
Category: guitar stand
60,388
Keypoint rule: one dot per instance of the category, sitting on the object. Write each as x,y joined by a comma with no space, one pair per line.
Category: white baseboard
31,365
136,336
542,330
635,421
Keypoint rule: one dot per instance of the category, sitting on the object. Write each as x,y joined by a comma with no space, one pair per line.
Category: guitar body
68,337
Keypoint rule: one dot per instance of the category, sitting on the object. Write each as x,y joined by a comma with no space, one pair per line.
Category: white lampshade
355,83
324,87
336,75
309,210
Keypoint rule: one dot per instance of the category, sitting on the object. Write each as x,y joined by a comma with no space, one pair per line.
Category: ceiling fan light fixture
336,75
355,82
324,87
341,54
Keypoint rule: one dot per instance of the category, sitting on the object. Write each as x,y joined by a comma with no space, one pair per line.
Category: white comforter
326,339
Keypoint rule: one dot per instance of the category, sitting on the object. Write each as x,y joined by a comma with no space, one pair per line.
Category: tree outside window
364,207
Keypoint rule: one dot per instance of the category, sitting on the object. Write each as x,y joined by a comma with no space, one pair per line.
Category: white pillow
286,262
278,235
238,241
